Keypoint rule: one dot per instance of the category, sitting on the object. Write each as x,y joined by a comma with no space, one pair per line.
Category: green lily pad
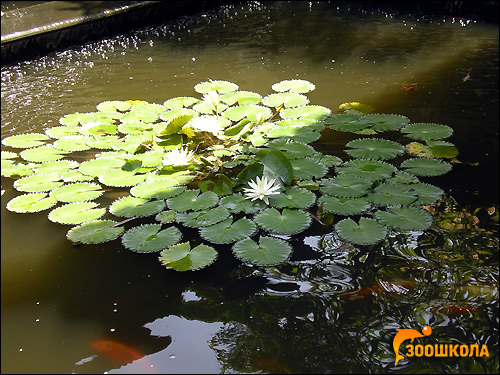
373,148
294,197
158,189
62,131
405,218
76,119
72,143
367,232
294,85
25,140
289,221
389,194
249,111
75,176
315,112
136,207
402,177
344,206
228,232
114,105
193,200
426,193
287,99
426,167
98,128
97,167
105,142
28,203
345,122
268,252
76,213
38,183
383,122
150,107
427,131
181,257
292,149
180,102
442,149
167,216
236,203
42,153
307,168
94,232
140,115
119,178
134,127
58,166
77,192
202,218
241,97
178,112
346,186
18,169
372,169
221,87
148,238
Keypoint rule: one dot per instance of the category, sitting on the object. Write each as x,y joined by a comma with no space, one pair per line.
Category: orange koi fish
272,366
115,352
405,334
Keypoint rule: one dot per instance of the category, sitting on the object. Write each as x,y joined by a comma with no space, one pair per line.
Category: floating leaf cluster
147,172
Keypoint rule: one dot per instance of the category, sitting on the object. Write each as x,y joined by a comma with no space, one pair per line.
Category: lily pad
290,221
18,169
287,99
167,216
149,238
344,206
389,194
367,232
181,257
28,203
72,143
180,102
405,218
307,168
97,167
140,115
76,119
105,142
426,167
114,105
202,218
236,203
294,197
346,186
62,131
294,85
221,87
249,111
344,122
42,153
228,232
25,140
174,113
373,148
136,207
133,127
38,183
269,251
383,122
98,128
315,112
77,192
76,213
241,97
94,232
157,189
426,193
119,178
193,200
58,166
372,169
292,149
427,131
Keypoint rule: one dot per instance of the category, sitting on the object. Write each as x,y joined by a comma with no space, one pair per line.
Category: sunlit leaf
293,197
241,97
181,257
77,192
222,87
72,143
267,252
356,107
76,213
94,232
307,168
59,166
149,238
202,218
294,85
114,105
180,102
315,112
38,183
158,189
62,131
193,200
133,206
140,115
42,153
133,127
287,99
28,203
250,111
97,167
237,203
120,178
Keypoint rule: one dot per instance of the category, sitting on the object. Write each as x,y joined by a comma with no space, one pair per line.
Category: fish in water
454,311
116,352
272,366
405,334
385,287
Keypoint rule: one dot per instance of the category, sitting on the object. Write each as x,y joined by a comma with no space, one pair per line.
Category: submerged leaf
148,238
269,251
181,257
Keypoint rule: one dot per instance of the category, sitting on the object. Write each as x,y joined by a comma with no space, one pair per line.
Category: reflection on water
333,307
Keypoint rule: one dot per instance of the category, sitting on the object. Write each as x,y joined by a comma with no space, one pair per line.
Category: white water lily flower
212,98
178,156
261,189
206,123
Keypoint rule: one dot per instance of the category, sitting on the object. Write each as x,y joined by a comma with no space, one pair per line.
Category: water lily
178,156
212,98
206,123
261,189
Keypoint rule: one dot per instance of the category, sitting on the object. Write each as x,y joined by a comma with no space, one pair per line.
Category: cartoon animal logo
404,334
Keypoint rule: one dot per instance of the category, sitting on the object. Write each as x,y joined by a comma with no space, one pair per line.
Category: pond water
333,307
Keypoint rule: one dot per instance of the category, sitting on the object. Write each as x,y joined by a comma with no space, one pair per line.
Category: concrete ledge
55,25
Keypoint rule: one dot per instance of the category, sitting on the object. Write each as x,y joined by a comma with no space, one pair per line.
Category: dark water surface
333,307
